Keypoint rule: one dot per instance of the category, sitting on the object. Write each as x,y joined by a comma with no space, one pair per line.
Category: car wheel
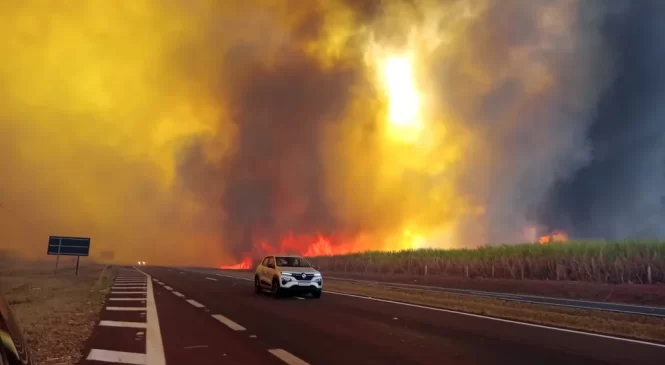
275,287
257,285
316,294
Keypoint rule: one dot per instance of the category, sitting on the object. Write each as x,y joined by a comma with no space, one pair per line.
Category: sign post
68,246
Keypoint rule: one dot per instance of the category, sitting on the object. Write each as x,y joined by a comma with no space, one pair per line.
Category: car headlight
317,274
287,273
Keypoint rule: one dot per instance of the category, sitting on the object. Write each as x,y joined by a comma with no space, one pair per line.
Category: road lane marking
127,299
153,341
179,294
168,288
301,298
195,347
117,357
129,283
123,324
229,323
195,303
213,279
499,319
128,287
128,292
136,309
287,357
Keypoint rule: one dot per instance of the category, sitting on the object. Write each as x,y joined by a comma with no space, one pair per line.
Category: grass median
618,324
57,313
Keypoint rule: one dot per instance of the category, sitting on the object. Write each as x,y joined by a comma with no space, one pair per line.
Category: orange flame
554,236
245,264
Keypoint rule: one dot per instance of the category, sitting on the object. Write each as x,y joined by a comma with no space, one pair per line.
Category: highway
210,319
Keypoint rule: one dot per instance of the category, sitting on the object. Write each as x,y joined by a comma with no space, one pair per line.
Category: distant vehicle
13,348
287,274
141,263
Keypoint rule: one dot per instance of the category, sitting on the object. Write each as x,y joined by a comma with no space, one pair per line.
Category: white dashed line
123,324
179,294
117,357
168,288
287,357
213,279
195,303
134,309
229,323
301,298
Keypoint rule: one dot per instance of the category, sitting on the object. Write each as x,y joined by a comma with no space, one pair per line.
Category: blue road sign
68,246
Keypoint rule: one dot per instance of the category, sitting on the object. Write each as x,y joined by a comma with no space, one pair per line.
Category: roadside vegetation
57,313
617,324
618,262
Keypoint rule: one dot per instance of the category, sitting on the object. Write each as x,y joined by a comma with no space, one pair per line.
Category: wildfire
245,264
554,236
400,86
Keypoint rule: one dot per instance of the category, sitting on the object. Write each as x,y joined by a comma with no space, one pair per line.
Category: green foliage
615,262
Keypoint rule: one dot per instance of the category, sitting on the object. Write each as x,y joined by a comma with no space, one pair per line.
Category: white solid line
123,324
499,319
179,294
128,299
131,309
287,357
118,357
195,303
168,288
128,292
229,323
211,279
153,341
128,287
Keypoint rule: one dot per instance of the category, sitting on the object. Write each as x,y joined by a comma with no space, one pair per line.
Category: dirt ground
57,313
652,295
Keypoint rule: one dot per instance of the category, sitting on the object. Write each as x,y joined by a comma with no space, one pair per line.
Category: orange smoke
554,236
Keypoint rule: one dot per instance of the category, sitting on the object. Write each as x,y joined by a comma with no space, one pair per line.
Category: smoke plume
197,132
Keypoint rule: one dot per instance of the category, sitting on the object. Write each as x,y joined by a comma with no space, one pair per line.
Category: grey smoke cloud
619,193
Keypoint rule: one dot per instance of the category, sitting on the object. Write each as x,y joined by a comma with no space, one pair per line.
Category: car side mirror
17,353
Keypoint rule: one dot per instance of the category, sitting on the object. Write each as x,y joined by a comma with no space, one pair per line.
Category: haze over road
212,319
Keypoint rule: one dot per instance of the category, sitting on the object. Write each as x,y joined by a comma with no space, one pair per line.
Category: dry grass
624,325
57,313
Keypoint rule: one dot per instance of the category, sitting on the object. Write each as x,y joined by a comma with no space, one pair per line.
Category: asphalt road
219,320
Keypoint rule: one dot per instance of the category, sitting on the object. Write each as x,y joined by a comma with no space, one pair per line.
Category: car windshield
292,262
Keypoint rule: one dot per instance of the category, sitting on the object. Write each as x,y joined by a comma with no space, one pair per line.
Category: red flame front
245,264
554,236
306,245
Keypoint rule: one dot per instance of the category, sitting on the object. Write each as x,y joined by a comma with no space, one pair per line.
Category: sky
200,132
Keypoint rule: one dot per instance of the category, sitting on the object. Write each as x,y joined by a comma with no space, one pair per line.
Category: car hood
297,269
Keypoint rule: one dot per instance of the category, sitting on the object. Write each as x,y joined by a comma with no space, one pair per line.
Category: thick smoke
619,194
188,132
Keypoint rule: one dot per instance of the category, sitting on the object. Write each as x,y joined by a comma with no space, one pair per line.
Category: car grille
307,277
